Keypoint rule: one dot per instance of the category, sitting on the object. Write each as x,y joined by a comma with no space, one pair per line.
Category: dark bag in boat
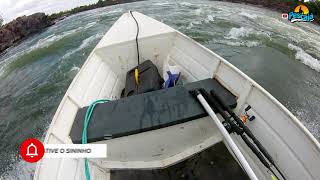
149,80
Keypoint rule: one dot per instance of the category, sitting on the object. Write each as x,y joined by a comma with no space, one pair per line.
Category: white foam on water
192,23
49,40
89,40
210,18
85,43
252,43
198,11
101,12
190,26
197,22
163,3
236,33
185,4
74,68
248,15
73,71
238,43
2,70
305,58
118,10
89,25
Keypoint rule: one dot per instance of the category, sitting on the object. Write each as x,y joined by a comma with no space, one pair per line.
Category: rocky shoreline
21,28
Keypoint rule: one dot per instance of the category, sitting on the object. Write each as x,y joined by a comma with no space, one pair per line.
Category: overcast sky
11,9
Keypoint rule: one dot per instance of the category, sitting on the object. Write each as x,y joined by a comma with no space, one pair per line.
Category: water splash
237,43
236,33
209,18
186,4
166,3
305,58
198,11
243,32
75,68
85,43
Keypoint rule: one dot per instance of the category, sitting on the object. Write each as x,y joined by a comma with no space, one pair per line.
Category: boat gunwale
258,87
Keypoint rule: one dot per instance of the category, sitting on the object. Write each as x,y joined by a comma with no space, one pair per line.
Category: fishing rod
248,132
232,126
235,149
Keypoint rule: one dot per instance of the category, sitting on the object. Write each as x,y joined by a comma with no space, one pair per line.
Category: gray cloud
11,9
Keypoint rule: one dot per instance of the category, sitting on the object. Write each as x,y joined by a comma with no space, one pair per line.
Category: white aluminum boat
293,148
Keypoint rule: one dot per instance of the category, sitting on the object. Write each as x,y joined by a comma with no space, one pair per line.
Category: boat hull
294,149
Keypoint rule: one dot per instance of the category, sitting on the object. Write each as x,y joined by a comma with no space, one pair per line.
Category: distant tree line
278,5
100,3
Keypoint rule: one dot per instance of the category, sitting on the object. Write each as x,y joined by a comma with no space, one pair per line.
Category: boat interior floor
214,163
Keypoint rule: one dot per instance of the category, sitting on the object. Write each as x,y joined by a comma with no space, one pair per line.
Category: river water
281,56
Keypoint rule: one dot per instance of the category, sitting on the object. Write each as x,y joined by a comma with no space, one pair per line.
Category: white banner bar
75,150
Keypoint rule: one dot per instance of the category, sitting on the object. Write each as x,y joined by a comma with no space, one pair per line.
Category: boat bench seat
148,111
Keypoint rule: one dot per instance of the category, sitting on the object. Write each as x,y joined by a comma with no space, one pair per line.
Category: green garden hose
85,128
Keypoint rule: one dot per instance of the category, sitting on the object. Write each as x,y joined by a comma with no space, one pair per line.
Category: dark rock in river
21,28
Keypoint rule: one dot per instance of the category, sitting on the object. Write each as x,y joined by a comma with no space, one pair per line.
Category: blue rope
85,129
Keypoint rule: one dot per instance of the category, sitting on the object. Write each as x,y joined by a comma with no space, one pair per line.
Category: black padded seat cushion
148,111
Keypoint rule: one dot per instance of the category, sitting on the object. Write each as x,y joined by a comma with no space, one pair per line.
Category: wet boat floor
214,163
